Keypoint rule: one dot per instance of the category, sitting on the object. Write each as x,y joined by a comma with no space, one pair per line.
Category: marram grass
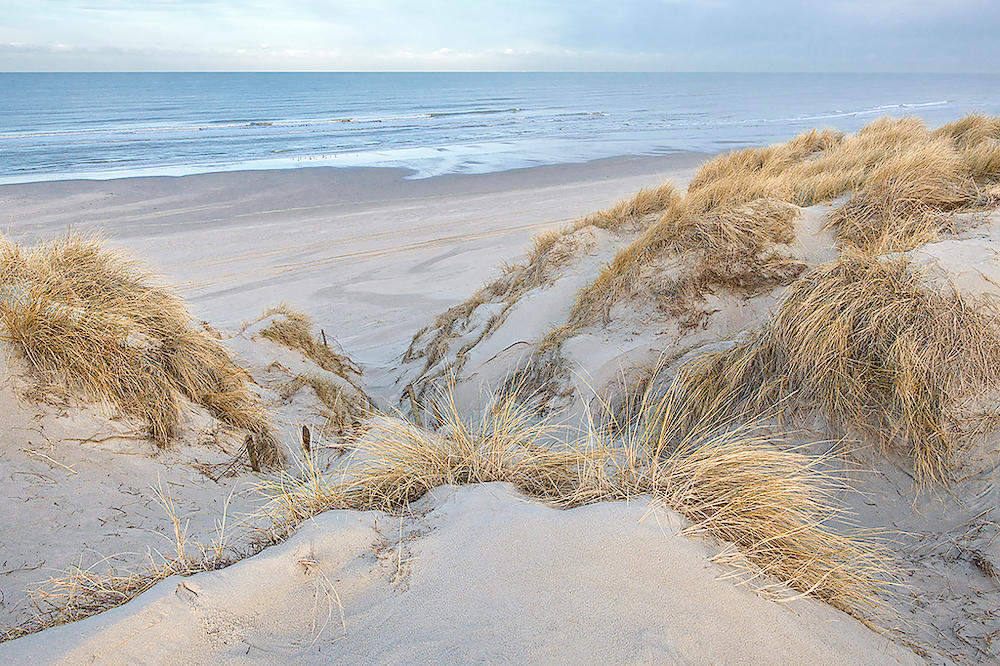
550,252
876,350
902,181
773,504
88,319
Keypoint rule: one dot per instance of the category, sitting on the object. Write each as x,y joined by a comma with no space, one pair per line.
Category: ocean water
59,126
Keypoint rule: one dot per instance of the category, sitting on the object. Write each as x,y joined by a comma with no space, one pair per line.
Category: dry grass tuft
772,504
631,211
82,592
398,462
295,331
982,161
739,249
343,412
906,182
874,349
971,130
754,163
905,198
86,318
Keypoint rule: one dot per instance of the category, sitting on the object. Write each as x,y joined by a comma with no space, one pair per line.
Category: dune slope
472,574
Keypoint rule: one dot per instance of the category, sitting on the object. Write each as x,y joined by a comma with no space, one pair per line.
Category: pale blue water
57,126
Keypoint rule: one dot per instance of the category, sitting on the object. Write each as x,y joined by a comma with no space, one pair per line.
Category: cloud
729,35
20,48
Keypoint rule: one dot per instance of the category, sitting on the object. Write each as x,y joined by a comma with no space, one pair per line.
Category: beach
370,255
531,333
499,333
634,408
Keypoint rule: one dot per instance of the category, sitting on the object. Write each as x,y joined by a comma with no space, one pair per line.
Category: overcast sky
651,35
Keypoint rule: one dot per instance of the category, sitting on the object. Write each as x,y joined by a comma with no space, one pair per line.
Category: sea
56,126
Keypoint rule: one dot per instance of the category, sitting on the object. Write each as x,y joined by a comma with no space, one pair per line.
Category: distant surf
59,126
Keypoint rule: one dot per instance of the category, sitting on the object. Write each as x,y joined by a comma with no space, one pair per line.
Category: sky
575,35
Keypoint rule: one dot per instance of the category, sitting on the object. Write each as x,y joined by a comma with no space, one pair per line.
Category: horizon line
482,71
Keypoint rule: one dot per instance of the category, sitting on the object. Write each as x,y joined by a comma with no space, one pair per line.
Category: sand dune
472,574
397,562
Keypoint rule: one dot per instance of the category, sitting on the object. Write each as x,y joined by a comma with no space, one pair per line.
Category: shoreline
404,173
408,173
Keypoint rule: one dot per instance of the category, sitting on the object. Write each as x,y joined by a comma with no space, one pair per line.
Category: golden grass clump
905,198
982,161
400,461
737,248
905,182
88,319
772,504
874,349
971,130
752,164
295,330
342,411
632,210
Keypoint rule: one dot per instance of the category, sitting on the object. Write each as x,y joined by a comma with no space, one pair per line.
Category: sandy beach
525,333
633,409
370,255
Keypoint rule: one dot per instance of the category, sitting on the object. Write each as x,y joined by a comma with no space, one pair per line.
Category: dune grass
294,330
904,181
81,592
343,411
630,211
905,198
875,350
399,461
741,248
550,252
87,319
772,504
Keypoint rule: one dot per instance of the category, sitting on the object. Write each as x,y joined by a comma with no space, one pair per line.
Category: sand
82,489
370,255
476,573
946,542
